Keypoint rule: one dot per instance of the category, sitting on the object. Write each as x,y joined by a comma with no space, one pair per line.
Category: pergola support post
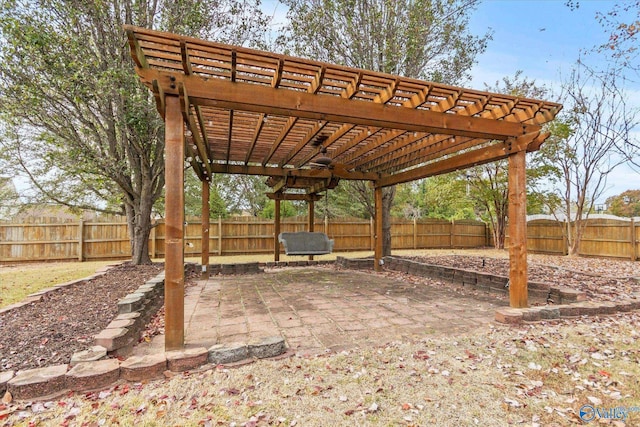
205,229
174,224
518,292
378,237
276,242
311,219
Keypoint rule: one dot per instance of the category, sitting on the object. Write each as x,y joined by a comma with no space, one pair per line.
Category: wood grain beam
355,159
307,173
262,99
294,196
480,156
174,226
201,149
347,93
158,95
314,86
326,184
518,292
137,54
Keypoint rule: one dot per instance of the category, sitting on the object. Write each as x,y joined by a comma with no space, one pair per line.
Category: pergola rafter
260,113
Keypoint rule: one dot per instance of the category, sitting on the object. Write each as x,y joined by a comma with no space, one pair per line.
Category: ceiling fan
322,161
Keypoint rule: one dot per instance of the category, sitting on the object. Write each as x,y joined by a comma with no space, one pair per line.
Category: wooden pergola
229,109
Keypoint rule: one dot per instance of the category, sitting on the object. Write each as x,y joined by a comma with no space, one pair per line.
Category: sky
543,39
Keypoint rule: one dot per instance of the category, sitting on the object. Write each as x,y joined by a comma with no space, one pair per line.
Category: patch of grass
19,280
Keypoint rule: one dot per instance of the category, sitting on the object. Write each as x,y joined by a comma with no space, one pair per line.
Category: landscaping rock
136,316
114,339
508,315
184,360
131,304
96,352
40,382
267,347
93,375
228,353
138,368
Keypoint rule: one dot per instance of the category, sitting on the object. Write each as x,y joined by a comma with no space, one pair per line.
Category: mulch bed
600,287
64,321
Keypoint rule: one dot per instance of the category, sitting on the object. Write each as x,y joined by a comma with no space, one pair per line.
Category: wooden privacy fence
603,236
84,240
92,240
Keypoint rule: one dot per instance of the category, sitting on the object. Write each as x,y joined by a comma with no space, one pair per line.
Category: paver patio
318,308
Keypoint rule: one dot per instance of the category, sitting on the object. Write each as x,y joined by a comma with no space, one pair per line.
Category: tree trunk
388,194
575,231
499,231
138,212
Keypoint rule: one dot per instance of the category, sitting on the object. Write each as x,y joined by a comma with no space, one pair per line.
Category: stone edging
43,383
134,312
538,292
301,263
91,369
567,302
586,308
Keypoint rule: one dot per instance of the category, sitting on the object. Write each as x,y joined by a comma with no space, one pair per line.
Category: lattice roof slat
272,114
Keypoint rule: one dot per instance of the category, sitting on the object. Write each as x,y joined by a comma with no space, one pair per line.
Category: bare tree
598,121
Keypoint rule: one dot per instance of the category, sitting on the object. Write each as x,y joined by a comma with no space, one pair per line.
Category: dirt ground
49,331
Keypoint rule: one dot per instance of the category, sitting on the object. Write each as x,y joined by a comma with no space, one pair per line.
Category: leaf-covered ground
601,279
534,375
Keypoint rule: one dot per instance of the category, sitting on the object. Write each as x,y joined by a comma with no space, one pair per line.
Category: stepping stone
96,352
93,375
184,360
4,379
113,339
267,347
38,382
138,368
228,353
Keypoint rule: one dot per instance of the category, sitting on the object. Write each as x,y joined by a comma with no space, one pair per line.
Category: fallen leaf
7,398
594,400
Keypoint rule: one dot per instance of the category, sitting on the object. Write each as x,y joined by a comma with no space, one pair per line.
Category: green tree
489,182
626,204
427,39
87,132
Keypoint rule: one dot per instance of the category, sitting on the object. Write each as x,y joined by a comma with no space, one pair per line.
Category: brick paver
321,307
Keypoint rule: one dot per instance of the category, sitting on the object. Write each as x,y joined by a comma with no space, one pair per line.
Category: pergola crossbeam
467,159
263,99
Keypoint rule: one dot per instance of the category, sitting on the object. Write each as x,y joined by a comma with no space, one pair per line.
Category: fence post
487,237
452,233
634,254
81,240
153,241
415,234
326,225
219,235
